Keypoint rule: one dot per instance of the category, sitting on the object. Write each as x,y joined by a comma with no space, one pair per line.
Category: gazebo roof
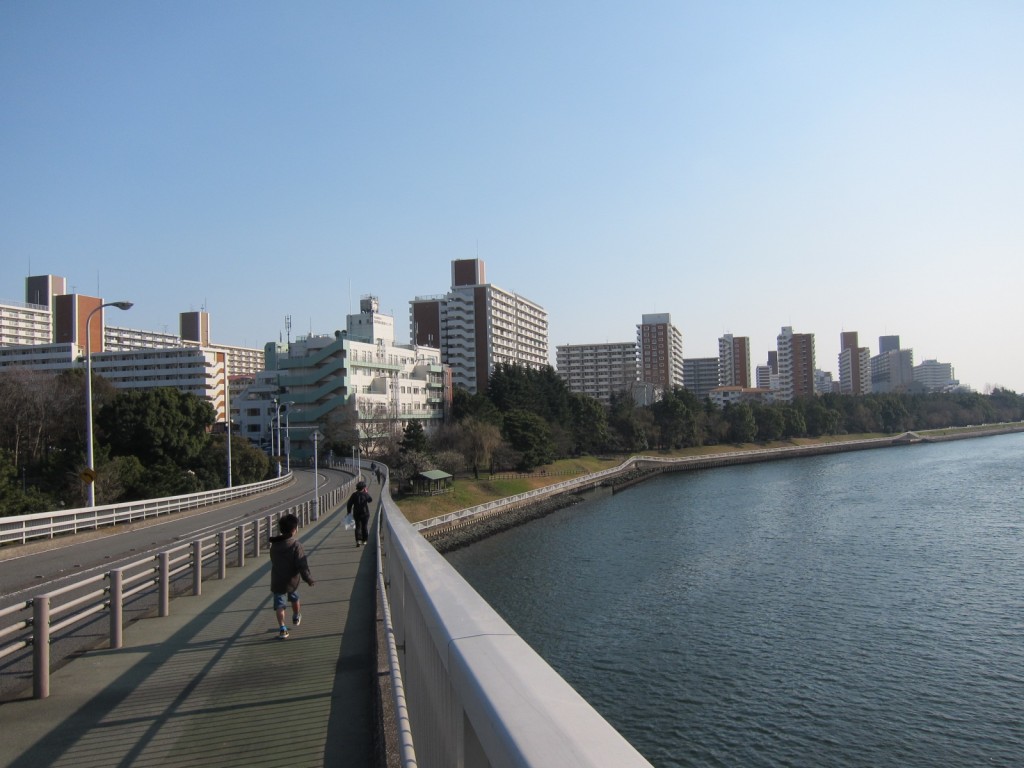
434,474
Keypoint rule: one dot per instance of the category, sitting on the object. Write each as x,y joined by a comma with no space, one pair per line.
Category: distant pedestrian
359,507
287,566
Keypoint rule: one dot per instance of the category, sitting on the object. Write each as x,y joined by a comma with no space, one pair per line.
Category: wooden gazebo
431,482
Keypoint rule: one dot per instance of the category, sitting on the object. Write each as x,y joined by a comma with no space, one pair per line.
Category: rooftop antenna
288,327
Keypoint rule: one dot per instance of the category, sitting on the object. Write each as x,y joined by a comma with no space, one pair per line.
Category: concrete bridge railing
473,693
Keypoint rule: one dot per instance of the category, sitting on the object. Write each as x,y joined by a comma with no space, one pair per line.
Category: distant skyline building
854,365
888,344
796,364
477,325
935,376
700,375
892,371
661,351
599,370
763,377
734,361
823,383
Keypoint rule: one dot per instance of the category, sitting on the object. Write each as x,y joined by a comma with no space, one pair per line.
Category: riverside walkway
213,685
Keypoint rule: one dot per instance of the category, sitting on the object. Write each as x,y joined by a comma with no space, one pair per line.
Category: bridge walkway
213,685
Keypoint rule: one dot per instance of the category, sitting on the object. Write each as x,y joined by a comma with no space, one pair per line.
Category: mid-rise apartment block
796,364
733,361
598,370
661,351
734,395
700,375
195,370
824,384
934,376
52,332
892,370
477,325
359,373
854,365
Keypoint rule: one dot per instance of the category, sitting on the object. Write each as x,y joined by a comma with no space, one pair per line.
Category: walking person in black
359,507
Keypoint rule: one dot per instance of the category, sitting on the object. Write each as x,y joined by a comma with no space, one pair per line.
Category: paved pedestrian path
212,685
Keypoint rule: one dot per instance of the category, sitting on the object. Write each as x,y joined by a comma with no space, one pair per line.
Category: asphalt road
39,567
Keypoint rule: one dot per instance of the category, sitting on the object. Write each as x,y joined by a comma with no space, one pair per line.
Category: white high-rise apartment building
796,364
598,370
477,325
31,322
854,366
733,361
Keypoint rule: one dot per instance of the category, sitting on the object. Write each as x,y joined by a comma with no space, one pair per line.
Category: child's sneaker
297,619
283,634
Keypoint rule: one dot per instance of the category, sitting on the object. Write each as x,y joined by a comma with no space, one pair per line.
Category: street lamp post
288,435
90,470
277,443
228,424
227,416
316,475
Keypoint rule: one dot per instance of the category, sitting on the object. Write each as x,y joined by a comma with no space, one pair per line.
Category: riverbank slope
451,534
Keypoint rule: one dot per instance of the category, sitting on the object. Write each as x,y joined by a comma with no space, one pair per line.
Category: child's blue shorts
283,599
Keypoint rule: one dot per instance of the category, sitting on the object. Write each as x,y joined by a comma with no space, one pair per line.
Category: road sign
88,475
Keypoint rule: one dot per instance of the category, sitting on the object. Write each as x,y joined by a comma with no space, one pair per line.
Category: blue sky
741,165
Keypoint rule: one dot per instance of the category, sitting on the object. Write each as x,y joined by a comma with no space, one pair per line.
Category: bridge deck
212,685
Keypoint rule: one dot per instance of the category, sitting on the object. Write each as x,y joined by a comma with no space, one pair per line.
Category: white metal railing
592,479
41,618
477,695
46,525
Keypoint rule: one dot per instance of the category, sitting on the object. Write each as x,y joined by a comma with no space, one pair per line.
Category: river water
860,609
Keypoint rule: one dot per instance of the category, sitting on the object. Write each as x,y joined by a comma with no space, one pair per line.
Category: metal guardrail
46,525
43,618
473,692
594,478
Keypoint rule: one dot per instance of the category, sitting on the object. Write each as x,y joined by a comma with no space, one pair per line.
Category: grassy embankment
469,492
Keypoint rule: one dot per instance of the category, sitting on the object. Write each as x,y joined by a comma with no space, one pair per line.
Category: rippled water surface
864,609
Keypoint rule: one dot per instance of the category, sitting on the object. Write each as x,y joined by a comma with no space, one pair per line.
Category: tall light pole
277,444
288,435
316,475
227,414
90,471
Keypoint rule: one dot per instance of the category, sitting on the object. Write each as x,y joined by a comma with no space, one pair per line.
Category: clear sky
740,165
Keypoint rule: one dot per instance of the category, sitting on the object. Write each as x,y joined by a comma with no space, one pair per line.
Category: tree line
147,443
161,442
529,417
